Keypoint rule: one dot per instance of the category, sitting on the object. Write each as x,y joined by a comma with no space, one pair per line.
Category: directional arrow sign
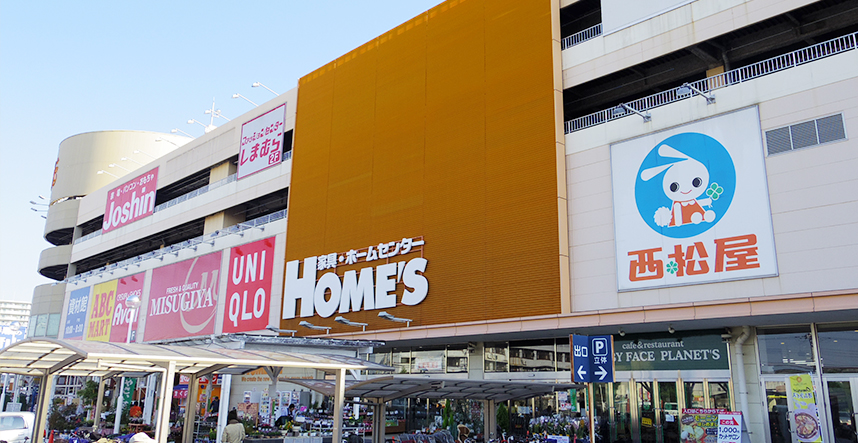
602,358
580,358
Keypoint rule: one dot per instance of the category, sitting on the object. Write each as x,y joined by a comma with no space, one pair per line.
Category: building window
457,360
786,351
531,356
427,362
496,357
838,348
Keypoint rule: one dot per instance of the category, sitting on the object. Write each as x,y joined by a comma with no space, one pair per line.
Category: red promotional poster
183,299
130,201
249,286
122,313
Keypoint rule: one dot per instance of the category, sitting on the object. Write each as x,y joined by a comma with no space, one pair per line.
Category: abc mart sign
370,288
691,205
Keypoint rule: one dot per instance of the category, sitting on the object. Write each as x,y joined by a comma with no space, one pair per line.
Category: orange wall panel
441,128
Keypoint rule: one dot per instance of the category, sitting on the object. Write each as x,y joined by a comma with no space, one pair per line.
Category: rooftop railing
581,37
723,80
174,249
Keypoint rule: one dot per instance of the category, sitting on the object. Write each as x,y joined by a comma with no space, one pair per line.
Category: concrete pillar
162,431
190,410
118,416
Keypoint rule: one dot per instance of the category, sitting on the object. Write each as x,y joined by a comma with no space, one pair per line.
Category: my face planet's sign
370,289
130,201
670,352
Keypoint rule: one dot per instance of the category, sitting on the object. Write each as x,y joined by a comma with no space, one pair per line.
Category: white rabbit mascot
684,181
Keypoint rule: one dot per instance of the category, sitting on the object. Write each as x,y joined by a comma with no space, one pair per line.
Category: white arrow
581,372
601,373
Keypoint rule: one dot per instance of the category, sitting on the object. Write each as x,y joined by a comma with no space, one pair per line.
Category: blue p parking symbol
600,347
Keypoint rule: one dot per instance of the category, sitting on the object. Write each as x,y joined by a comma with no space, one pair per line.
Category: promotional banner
261,142
129,385
691,205
248,286
670,352
183,299
12,333
125,287
76,314
130,201
806,414
700,425
730,427
101,313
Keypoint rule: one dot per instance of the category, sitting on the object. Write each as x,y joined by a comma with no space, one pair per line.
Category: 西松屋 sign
249,286
261,143
371,288
691,205
130,201
183,299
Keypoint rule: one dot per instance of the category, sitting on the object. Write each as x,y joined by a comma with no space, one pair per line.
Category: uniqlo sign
130,201
249,286
261,142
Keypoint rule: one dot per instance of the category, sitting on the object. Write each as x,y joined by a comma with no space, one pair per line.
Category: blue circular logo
685,185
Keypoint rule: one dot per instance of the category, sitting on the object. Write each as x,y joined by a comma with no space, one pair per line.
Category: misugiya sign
691,204
369,288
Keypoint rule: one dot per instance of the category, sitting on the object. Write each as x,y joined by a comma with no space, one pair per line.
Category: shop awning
393,387
41,356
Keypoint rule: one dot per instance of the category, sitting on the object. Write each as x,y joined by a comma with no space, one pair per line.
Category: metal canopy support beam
431,386
225,384
46,385
210,370
339,396
70,360
99,400
490,420
162,430
190,410
151,382
378,420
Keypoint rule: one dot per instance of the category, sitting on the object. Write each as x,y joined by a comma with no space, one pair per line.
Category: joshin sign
130,201
249,286
261,142
691,205
183,299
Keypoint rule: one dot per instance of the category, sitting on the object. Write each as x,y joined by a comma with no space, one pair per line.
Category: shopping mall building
477,184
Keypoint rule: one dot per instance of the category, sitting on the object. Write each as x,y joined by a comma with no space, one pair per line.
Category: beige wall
812,202
682,27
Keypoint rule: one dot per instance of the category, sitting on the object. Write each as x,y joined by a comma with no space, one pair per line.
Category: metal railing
174,249
581,37
732,77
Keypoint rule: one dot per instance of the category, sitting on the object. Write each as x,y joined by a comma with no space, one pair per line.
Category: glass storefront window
53,325
719,395
531,356
427,362
694,397
382,359
402,362
564,361
457,360
496,357
838,348
786,351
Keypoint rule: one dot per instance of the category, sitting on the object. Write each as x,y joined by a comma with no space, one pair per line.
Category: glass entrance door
668,412
646,411
777,405
842,396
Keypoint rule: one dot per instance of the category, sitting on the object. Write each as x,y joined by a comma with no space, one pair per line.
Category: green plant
88,393
503,417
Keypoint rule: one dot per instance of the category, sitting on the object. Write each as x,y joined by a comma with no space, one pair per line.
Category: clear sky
73,67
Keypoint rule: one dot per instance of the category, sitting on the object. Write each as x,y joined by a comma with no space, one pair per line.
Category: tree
503,417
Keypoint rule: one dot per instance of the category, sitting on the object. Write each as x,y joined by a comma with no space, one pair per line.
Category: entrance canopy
391,387
47,356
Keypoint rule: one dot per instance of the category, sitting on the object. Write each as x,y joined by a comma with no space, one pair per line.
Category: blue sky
73,67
